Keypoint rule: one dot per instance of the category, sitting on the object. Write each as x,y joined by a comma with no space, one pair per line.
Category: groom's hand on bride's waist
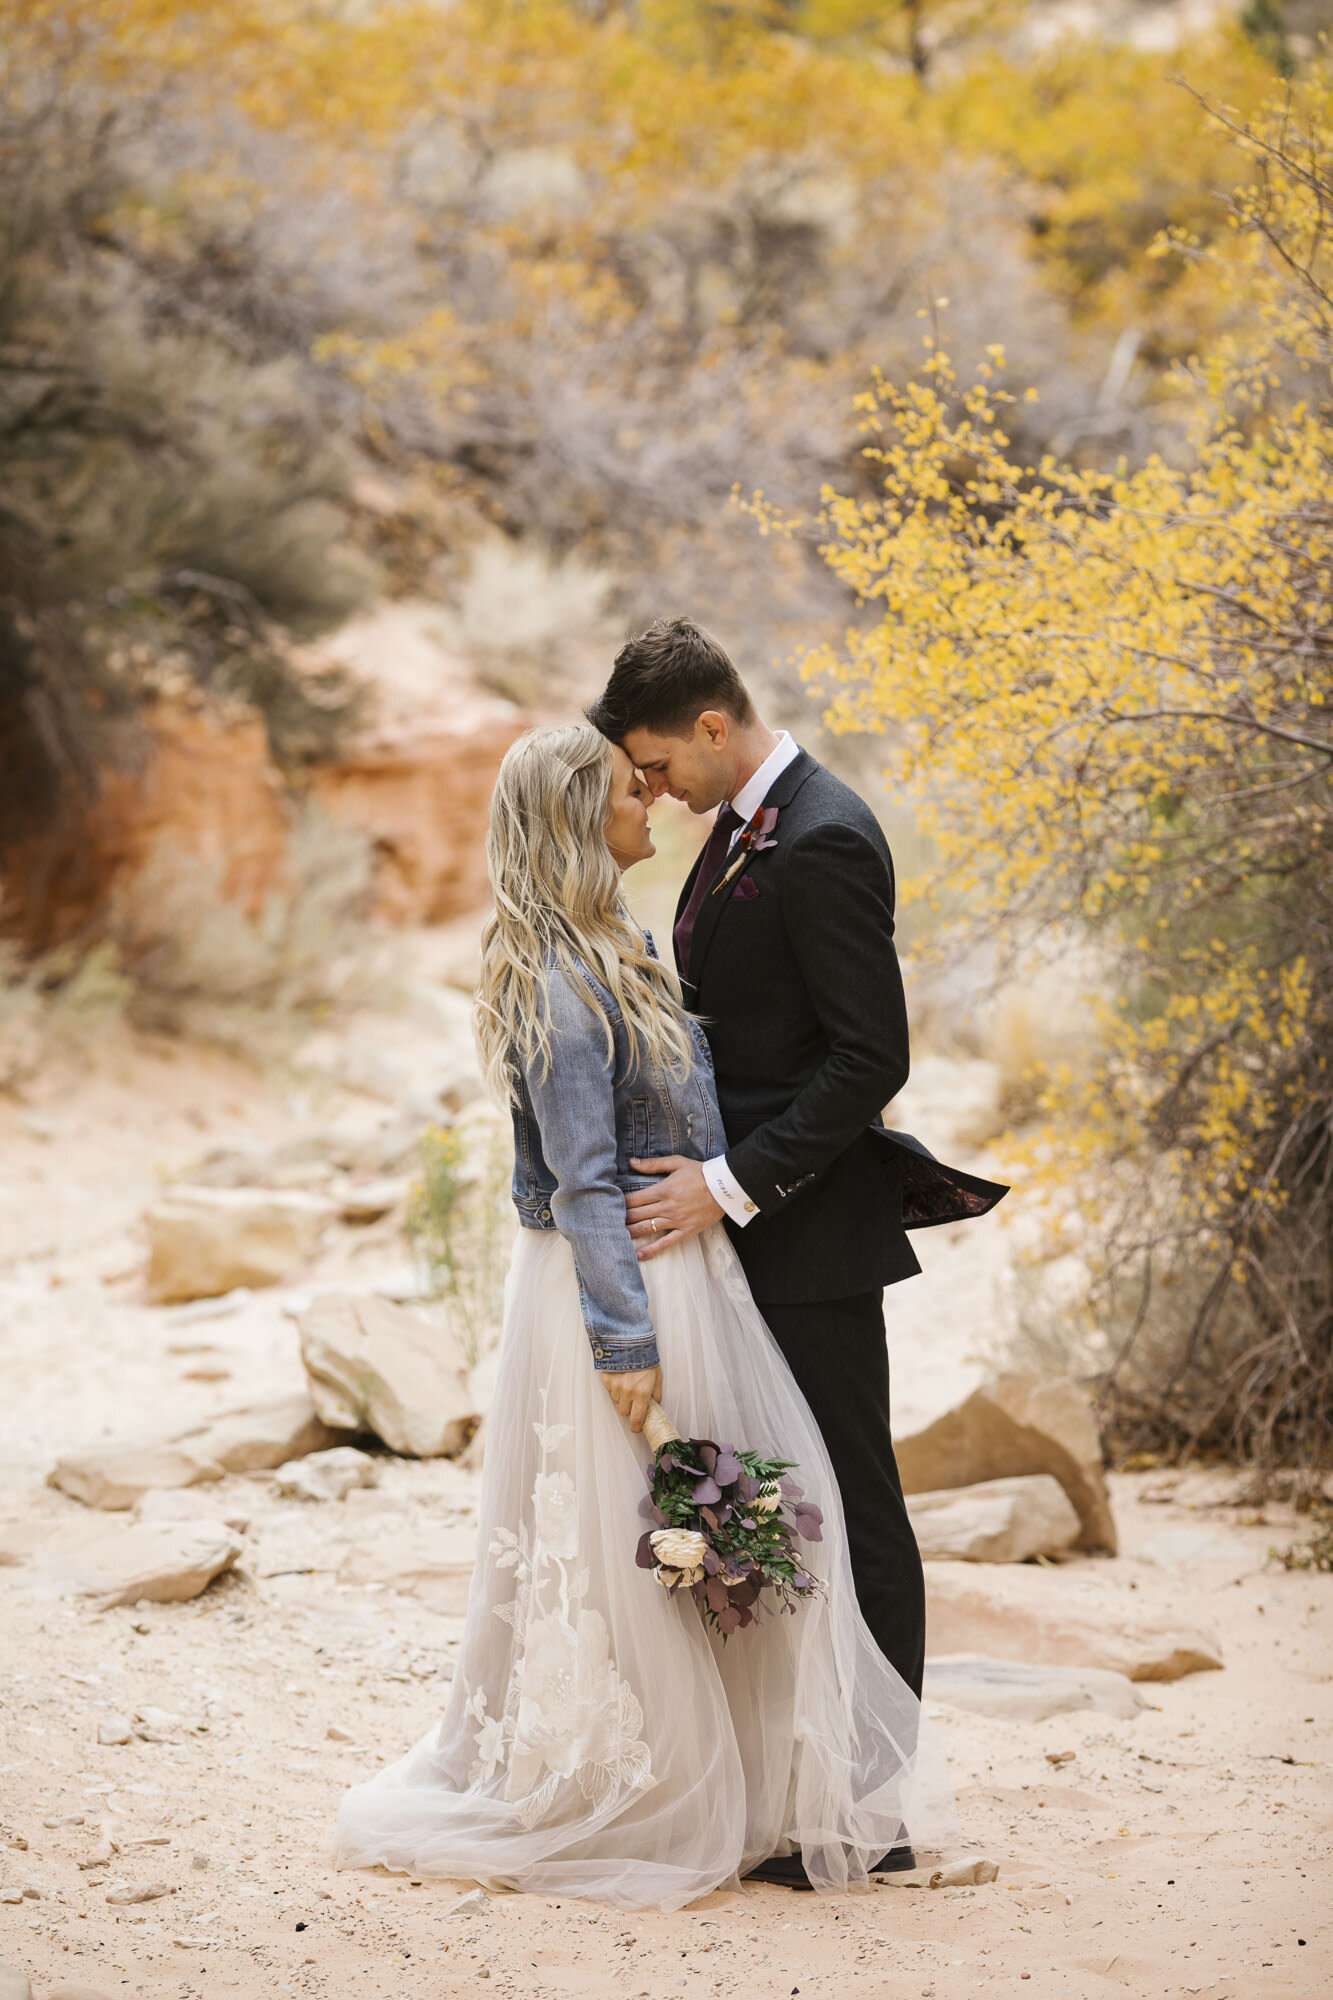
678,1207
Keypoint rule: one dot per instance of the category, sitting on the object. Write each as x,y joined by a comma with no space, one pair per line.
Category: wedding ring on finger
653,1225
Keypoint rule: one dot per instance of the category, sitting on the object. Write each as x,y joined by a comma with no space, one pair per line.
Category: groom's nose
657,783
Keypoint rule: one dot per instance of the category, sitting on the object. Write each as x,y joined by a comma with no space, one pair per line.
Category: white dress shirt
725,1189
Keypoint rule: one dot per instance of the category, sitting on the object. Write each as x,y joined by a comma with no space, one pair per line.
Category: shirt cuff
727,1191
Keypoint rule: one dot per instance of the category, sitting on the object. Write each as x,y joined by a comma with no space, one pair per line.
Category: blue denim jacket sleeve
575,1107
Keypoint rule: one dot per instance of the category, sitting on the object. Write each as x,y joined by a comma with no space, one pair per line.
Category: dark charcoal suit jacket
796,981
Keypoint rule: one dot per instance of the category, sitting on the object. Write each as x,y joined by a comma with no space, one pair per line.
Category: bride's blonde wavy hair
558,908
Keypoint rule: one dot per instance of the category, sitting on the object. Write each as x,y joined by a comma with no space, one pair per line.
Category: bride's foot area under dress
598,1740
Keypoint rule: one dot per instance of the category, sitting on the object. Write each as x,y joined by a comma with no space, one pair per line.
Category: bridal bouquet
726,1522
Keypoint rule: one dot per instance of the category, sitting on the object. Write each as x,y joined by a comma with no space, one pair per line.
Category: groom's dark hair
665,679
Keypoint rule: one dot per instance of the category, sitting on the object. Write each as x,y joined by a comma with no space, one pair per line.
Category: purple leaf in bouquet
790,1490
809,1520
643,1555
716,1593
712,1562
728,1620
747,1487
707,1490
728,1468
650,1511
708,1456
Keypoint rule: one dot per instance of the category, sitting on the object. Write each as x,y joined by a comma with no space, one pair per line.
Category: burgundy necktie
714,854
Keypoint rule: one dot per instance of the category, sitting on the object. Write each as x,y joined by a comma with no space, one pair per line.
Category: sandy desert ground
1183,1851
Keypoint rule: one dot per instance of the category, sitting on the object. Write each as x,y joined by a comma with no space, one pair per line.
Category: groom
784,943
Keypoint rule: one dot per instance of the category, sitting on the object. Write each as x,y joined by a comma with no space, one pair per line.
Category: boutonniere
753,838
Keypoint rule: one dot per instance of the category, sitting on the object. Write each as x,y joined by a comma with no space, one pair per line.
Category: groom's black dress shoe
787,1871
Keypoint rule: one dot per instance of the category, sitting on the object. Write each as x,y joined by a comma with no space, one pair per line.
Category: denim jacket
576,1130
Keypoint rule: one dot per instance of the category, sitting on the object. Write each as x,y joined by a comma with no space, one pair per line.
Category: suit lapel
780,793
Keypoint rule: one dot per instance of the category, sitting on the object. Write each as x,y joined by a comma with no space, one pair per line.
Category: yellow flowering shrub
1111,692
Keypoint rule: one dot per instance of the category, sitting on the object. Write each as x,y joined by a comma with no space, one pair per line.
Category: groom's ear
716,726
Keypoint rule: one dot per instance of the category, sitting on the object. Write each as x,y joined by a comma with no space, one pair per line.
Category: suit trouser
838,1353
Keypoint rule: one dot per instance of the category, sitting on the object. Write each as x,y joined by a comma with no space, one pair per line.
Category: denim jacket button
543,1215
600,1352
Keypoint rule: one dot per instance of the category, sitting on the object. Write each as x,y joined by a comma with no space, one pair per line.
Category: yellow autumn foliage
1112,691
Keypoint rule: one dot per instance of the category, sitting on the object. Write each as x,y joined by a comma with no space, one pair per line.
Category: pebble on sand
148,1893
468,1905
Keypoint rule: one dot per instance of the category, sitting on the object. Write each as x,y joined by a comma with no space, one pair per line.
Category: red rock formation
204,785
418,782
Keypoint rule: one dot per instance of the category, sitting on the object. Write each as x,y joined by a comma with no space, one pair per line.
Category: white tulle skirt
599,1740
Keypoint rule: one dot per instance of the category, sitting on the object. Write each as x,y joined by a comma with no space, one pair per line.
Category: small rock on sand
115,1729
377,1366
163,1561
204,1241
1187,1548
1027,1693
998,1520
14,1984
327,1475
469,1905
186,1503
114,1476
963,1874
148,1892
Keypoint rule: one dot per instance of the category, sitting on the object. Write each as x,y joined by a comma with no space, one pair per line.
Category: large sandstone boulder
377,1366
206,1240
254,1438
1035,1615
163,1561
1012,1425
997,1521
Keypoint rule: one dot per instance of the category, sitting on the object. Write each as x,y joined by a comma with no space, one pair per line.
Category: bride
599,1740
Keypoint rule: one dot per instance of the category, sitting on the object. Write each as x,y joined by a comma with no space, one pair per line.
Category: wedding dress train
598,1739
